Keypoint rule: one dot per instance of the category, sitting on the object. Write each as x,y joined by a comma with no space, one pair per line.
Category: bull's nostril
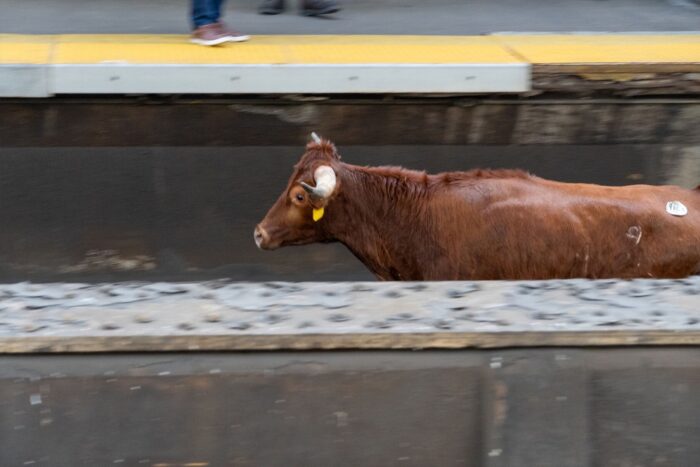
258,236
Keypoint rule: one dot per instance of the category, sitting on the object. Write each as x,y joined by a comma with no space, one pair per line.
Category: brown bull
482,224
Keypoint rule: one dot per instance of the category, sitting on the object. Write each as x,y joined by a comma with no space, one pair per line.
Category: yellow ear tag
318,214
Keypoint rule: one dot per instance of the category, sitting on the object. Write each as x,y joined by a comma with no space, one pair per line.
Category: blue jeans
205,12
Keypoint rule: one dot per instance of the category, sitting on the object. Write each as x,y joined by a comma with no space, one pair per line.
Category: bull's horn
324,176
315,137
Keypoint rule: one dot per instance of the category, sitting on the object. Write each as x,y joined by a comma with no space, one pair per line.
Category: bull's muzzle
261,237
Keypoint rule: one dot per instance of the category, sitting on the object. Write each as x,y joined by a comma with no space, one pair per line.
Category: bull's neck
376,215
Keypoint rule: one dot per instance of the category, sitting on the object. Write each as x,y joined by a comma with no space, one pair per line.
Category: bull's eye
300,197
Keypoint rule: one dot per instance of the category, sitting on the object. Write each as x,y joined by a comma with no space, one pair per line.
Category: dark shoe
232,35
318,7
209,34
271,7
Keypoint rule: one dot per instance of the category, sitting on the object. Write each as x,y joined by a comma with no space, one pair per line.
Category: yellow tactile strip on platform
352,50
622,48
285,50
165,49
399,49
25,49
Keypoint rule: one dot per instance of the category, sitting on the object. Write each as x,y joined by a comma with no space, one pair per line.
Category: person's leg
233,35
217,8
318,7
205,12
205,22
208,28
271,7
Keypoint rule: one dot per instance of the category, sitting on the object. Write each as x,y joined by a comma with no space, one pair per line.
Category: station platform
225,316
46,65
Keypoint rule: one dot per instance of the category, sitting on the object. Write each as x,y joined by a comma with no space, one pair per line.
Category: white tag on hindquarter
676,208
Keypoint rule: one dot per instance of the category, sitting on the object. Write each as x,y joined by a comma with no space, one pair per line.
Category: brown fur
490,224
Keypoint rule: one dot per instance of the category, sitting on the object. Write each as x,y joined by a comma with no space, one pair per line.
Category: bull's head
297,216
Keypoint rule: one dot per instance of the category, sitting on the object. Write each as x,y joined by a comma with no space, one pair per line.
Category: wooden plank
446,340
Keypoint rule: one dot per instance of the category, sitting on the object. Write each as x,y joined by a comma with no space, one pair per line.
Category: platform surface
420,17
45,65
219,315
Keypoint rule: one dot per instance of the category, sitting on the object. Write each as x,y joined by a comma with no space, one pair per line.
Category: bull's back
538,229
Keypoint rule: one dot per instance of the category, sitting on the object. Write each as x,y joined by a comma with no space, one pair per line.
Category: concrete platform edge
41,66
